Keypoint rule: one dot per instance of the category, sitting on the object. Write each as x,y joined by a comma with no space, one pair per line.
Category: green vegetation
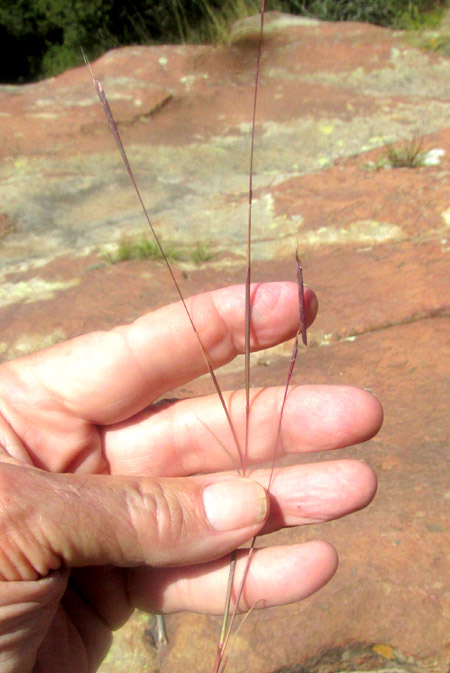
202,253
415,19
407,154
44,37
440,44
216,28
402,14
140,248
144,247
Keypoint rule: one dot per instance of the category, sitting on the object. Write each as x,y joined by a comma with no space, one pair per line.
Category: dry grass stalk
231,606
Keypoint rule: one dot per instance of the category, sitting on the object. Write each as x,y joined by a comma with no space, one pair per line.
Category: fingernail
234,503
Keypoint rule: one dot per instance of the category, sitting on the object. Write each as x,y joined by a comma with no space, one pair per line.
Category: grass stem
231,605
115,131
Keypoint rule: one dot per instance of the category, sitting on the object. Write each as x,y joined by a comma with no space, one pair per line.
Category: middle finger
191,436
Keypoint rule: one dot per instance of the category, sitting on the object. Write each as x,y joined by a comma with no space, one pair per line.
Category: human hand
99,508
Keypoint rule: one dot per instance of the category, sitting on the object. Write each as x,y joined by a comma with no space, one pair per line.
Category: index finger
106,377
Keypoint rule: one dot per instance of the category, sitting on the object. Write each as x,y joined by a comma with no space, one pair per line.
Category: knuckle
21,557
159,521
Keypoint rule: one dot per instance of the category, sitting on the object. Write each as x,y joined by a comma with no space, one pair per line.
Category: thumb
49,520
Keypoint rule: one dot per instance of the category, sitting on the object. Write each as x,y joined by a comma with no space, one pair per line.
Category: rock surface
374,242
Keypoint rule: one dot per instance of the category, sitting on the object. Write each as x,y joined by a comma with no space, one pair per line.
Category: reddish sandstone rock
374,243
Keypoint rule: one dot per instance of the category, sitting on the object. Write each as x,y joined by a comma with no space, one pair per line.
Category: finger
178,439
317,492
26,612
104,590
277,576
78,637
52,520
110,376
298,495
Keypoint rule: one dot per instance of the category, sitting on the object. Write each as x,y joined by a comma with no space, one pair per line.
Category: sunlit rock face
374,241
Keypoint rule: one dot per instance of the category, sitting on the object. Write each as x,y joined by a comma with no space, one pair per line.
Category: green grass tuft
440,44
408,154
202,253
417,17
217,25
140,248
143,247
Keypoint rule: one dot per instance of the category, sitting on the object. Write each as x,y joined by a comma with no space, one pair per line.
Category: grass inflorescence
143,248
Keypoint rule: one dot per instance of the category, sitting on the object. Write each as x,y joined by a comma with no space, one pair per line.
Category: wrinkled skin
109,501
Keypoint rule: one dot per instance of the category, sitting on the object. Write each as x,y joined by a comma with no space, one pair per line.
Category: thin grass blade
248,280
227,625
238,630
115,131
301,331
